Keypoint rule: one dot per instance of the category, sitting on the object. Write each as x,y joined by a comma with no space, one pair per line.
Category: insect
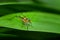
25,21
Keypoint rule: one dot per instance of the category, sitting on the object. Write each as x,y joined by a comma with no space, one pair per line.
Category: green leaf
44,14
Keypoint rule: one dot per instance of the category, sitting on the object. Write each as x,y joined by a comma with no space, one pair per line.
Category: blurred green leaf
46,11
